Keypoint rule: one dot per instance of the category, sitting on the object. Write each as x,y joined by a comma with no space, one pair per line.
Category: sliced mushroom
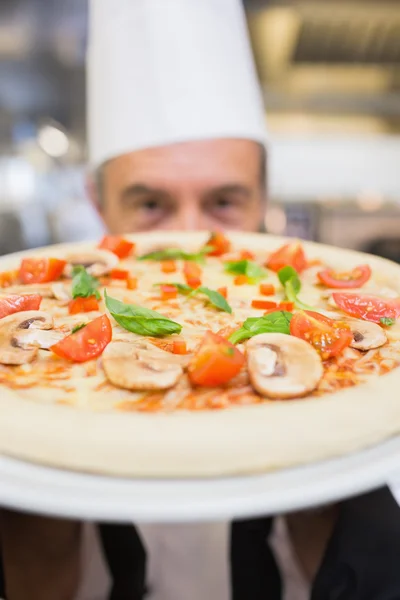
97,262
39,338
282,366
137,367
10,351
60,292
366,335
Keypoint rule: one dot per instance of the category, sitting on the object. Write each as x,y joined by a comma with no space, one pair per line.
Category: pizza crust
246,439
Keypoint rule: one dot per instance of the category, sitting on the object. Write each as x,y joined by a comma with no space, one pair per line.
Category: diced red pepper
247,255
192,273
131,283
288,306
119,274
267,289
179,347
263,304
78,305
118,245
241,280
220,244
223,291
168,292
168,266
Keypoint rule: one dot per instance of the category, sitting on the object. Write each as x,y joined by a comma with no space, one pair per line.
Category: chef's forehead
190,149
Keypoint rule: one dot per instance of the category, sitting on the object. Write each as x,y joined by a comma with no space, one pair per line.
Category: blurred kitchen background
330,72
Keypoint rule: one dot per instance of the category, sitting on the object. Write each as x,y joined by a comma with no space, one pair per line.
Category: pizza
196,354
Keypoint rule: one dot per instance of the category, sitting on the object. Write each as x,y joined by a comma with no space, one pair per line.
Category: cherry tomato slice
192,273
8,278
41,270
86,343
327,336
221,245
15,303
117,244
215,362
78,305
288,255
367,307
350,279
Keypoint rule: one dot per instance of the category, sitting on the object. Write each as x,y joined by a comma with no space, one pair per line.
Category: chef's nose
190,215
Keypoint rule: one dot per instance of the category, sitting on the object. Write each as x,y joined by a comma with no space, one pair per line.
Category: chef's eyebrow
140,189
233,188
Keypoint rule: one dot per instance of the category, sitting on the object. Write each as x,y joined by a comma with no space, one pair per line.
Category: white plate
62,493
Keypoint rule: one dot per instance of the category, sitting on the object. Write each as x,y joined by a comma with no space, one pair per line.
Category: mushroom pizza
196,354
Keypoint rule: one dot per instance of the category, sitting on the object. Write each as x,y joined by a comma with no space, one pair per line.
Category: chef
177,140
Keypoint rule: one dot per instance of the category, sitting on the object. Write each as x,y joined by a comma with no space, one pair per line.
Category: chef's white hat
165,71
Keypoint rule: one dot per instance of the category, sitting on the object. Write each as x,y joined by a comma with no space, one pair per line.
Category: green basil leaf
287,274
387,321
84,284
290,280
78,327
215,298
245,267
276,322
177,254
140,320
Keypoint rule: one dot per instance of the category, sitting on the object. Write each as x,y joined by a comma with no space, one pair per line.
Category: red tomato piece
168,266
247,255
131,283
328,337
168,292
215,362
221,244
288,306
192,273
41,270
86,343
118,245
78,305
350,279
223,291
119,274
267,289
15,303
288,255
179,347
263,304
241,280
367,307
8,278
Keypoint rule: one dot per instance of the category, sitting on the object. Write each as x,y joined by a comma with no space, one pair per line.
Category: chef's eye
225,208
151,204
